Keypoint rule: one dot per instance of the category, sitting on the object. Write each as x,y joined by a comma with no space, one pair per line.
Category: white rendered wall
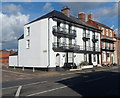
13,60
37,54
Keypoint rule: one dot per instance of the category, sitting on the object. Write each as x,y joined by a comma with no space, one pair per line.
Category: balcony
108,49
97,49
86,36
63,47
95,38
63,32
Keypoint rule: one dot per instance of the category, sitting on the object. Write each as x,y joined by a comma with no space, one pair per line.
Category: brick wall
4,56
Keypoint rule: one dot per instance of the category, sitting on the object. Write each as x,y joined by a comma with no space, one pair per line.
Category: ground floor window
94,58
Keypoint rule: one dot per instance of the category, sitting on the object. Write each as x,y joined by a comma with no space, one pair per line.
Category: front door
57,60
98,59
90,59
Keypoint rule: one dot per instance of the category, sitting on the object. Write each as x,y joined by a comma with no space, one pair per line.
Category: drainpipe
48,43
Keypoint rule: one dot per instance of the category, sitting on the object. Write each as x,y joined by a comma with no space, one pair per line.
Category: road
95,83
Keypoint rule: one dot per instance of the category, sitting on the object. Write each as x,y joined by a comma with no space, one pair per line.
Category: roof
82,23
13,54
107,39
103,25
60,15
21,37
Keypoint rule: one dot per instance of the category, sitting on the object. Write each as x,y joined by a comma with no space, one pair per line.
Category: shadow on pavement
102,83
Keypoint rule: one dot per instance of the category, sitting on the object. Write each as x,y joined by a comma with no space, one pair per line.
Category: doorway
57,60
90,59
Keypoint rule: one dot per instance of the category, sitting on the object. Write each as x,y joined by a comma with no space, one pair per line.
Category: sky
15,14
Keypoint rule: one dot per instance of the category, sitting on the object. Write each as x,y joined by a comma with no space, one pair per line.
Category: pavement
12,74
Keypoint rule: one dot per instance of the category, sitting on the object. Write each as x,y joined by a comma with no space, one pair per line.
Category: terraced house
107,41
58,39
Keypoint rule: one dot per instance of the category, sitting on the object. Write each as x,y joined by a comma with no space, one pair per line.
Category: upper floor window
28,31
28,44
106,32
102,31
110,33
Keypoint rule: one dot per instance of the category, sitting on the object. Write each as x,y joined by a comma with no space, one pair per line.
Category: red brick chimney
90,16
66,11
81,16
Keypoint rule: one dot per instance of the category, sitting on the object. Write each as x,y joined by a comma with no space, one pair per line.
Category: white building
58,40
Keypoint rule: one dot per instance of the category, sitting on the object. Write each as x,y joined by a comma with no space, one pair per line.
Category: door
98,59
57,60
90,59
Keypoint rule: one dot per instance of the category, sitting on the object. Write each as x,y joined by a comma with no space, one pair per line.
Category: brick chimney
90,16
66,11
81,16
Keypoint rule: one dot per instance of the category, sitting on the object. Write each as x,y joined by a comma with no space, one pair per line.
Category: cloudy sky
15,14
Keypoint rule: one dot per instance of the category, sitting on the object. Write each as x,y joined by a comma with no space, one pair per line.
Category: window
28,31
94,57
110,33
28,44
103,31
85,57
107,54
106,32
70,41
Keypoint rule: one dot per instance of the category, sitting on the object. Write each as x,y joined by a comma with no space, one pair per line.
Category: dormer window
28,31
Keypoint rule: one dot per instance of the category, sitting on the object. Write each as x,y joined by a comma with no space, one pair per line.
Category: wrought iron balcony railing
64,31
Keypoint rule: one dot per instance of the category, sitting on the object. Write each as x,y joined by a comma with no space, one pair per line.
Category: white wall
36,55
13,60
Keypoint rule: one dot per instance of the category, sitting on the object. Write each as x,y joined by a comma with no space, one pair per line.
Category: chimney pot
66,10
81,16
90,16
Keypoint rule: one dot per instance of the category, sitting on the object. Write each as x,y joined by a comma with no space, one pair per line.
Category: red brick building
107,41
118,51
4,56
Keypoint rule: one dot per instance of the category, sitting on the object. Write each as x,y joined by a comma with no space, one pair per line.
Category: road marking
47,91
65,78
95,79
18,92
35,83
25,84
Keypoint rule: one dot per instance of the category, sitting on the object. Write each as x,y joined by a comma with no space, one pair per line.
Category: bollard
33,69
7,67
23,68
14,66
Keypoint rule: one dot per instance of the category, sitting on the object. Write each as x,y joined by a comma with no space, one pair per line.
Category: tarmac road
80,83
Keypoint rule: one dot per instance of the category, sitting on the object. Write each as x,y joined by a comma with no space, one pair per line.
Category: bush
114,64
83,63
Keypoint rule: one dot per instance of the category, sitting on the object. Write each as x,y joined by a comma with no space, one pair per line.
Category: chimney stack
81,16
90,16
66,11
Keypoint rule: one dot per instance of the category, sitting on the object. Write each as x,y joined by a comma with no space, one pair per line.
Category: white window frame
111,33
106,32
103,31
28,44
28,31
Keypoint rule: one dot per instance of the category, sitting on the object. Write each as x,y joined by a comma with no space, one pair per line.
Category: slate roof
21,37
82,23
60,15
103,25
